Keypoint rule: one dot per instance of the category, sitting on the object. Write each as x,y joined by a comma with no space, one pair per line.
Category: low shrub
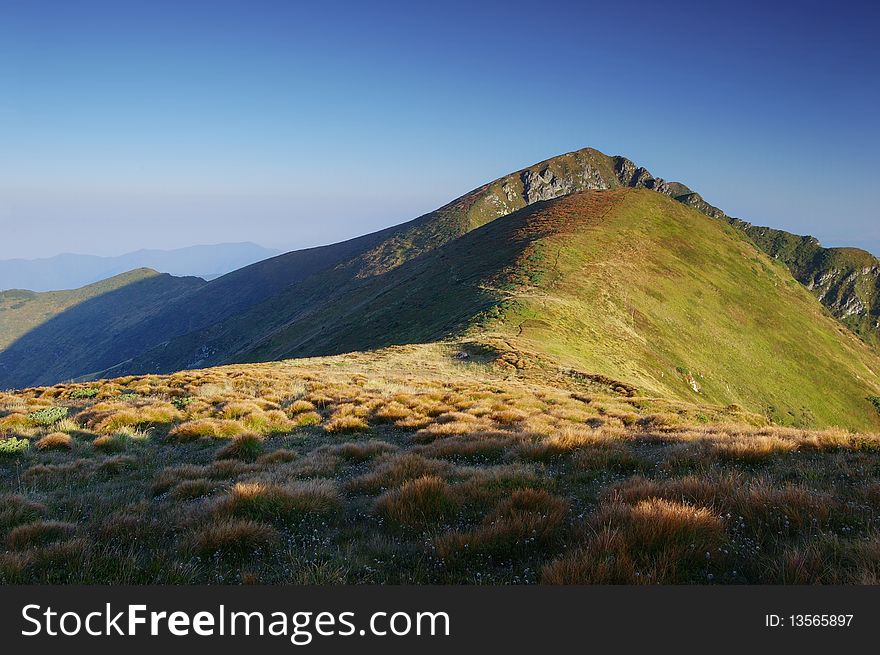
48,416
13,446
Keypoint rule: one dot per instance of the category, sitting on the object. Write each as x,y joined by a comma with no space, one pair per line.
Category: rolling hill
626,284
44,337
584,263
69,271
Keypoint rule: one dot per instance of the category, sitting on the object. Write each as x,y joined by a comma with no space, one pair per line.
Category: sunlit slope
653,293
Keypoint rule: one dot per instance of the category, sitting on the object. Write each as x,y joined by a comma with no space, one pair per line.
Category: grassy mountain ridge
197,334
21,310
496,264
681,307
845,280
625,284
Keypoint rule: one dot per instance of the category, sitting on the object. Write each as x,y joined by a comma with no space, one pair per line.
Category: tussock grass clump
484,486
246,447
655,541
116,465
111,443
234,537
306,419
482,447
346,423
273,421
113,415
299,407
15,422
391,471
38,533
392,412
750,449
528,518
418,503
235,409
509,416
280,456
206,427
16,509
361,451
71,472
194,488
611,457
270,502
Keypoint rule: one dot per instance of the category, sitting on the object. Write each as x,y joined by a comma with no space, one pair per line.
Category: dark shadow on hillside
86,337
108,330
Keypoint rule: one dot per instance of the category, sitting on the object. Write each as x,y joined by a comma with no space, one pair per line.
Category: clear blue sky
131,124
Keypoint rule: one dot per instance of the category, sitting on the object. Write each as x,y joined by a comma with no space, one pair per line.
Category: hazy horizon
167,125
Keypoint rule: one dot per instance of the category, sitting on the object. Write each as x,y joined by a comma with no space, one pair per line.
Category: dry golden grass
234,537
53,441
271,502
418,503
299,407
346,423
205,427
654,541
38,533
456,472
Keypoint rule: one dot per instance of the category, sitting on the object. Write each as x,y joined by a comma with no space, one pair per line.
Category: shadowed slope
66,331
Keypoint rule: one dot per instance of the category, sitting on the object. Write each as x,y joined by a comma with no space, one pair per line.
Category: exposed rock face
546,185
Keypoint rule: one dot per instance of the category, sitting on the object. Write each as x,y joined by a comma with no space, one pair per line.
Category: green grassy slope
660,297
627,284
845,280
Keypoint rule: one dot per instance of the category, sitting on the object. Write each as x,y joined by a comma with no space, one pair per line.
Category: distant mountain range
70,271
583,263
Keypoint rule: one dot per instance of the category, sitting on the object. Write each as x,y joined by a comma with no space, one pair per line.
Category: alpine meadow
578,373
